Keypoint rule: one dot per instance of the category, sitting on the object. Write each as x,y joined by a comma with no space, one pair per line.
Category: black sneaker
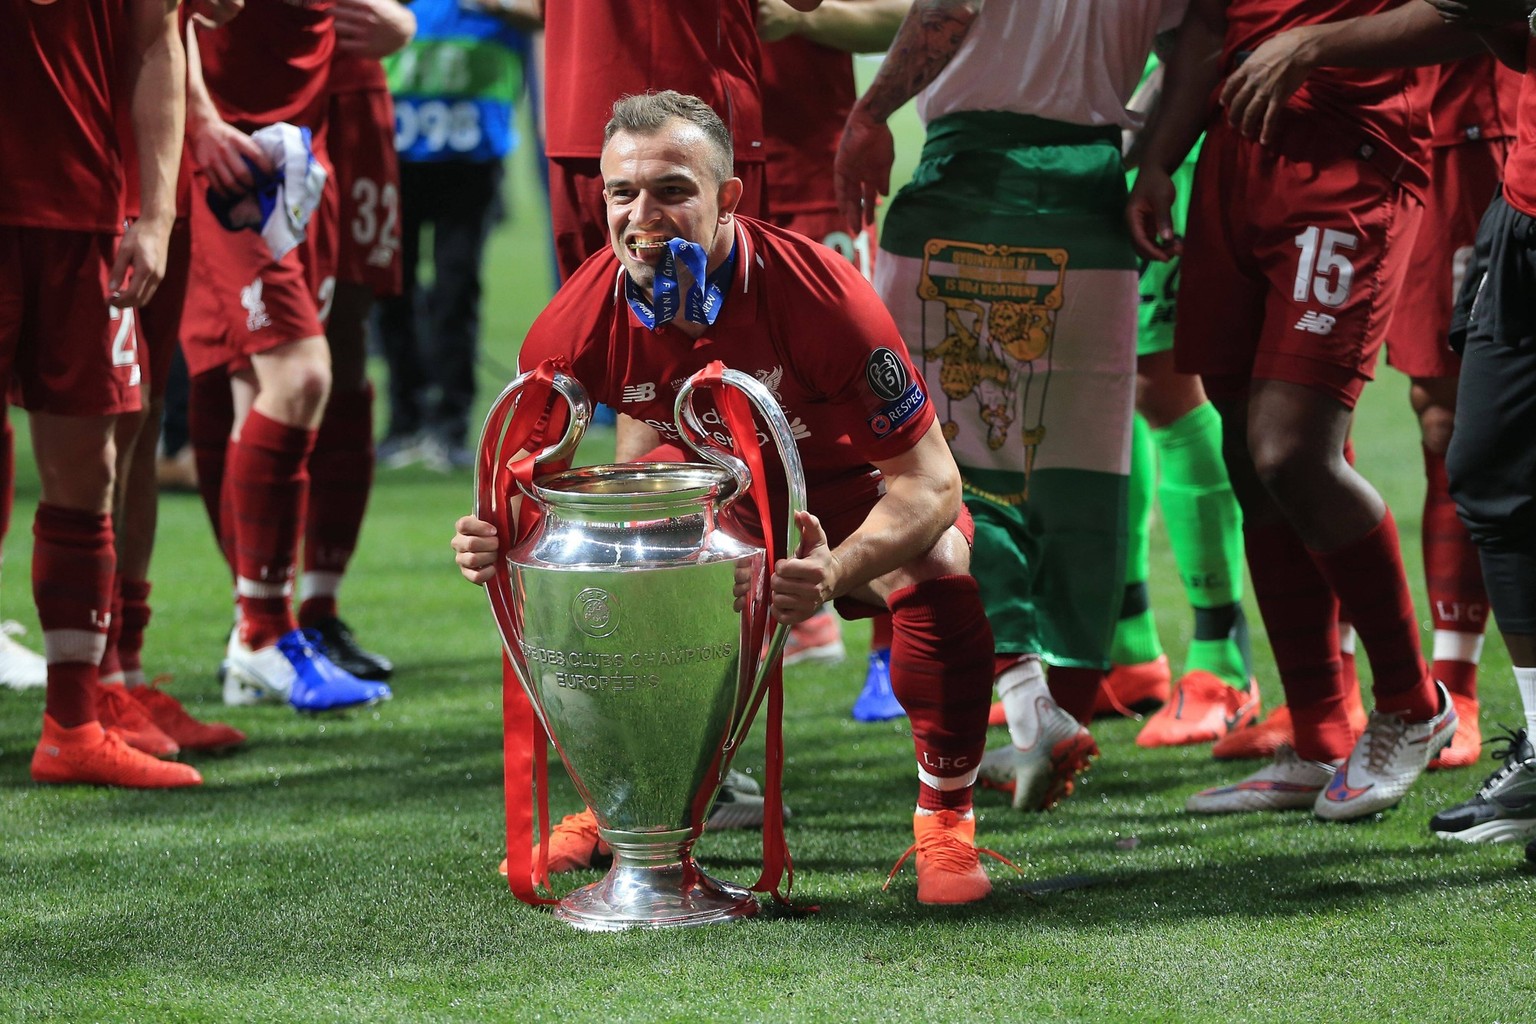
1530,852
338,644
1504,806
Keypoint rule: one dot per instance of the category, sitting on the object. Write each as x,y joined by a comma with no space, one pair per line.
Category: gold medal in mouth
646,244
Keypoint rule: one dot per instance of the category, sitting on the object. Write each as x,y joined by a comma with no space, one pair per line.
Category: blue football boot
318,684
877,702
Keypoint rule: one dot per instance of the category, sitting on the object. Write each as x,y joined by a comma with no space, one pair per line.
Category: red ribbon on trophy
778,865
506,469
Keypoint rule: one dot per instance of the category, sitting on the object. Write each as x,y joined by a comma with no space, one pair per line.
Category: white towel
280,204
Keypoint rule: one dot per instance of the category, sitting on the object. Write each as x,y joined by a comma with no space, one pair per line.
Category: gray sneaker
1388,758
1288,782
739,804
1504,807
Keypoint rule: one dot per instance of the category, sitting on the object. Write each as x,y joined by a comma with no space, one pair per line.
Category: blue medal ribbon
705,295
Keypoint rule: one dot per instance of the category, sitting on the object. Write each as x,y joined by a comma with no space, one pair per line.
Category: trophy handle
494,484
492,433
783,436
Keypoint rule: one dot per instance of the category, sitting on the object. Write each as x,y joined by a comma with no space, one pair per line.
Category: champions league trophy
616,611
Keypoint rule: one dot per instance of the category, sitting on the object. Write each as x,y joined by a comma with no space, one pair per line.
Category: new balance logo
640,392
799,429
1316,323
255,309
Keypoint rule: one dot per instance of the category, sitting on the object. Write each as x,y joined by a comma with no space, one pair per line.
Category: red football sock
880,633
1367,575
210,421
1075,689
111,667
134,617
340,478
268,480
1300,615
73,562
1458,604
941,672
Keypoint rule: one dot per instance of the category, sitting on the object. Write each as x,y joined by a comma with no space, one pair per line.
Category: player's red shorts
63,349
1463,180
829,228
160,321
366,178
580,220
246,302
1293,261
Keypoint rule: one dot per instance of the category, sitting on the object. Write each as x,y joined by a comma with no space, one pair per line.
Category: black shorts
1498,295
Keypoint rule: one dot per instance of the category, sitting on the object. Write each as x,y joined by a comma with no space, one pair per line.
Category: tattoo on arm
928,39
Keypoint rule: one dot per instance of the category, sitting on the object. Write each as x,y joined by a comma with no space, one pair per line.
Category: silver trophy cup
618,619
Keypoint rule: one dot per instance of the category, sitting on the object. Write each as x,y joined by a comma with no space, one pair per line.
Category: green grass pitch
343,868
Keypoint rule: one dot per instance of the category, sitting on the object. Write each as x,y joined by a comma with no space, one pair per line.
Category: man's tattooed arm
928,39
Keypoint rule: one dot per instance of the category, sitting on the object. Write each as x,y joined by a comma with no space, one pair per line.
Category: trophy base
642,893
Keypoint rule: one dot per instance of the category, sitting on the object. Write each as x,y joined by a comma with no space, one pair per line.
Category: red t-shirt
60,78
1390,107
808,92
598,50
270,64
1475,99
1520,169
798,317
355,74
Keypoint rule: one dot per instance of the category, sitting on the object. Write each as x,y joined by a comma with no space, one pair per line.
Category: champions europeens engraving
616,610
584,670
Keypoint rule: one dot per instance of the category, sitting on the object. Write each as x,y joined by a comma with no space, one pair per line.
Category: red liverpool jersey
351,73
798,317
1520,169
271,63
60,166
599,50
1475,99
808,91
1389,108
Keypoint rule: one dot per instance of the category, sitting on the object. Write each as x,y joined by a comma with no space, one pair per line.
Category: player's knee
1435,425
950,555
299,382
1282,464
83,481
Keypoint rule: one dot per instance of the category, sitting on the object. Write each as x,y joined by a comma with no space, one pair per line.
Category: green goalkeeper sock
1136,631
1205,528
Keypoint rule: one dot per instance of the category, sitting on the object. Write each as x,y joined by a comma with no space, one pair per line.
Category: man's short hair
648,113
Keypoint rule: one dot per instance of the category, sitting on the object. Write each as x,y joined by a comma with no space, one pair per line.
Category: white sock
1525,679
1017,688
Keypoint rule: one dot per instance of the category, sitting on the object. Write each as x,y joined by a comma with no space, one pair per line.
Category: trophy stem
654,883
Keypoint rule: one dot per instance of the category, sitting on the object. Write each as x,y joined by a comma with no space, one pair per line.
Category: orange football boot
948,866
174,720
1134,689
1467,745
574,845
91,755
118,711
1202,708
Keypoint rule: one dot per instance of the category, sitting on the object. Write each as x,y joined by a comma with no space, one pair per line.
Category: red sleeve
576,326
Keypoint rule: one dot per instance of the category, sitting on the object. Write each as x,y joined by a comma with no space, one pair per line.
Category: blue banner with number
455,84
